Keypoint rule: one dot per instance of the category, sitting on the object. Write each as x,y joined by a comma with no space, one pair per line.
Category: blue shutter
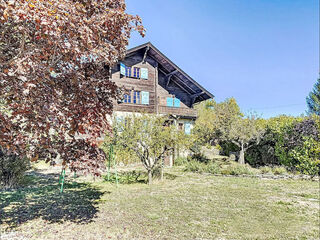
145,98
144,73
176,102
187,128
169,102
122,69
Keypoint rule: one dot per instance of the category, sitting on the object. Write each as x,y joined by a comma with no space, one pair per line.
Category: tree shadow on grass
42,199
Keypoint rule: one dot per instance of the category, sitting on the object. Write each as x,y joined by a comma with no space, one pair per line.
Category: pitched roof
179,76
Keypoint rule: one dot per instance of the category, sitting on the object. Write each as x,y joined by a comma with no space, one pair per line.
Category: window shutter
187,128
169,102
145,98
122,69
176,102
144,73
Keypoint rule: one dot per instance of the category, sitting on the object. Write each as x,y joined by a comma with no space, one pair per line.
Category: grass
187,206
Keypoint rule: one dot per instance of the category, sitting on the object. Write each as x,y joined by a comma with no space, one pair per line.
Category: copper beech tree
55,58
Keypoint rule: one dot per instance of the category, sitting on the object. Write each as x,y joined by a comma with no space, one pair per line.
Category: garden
70,169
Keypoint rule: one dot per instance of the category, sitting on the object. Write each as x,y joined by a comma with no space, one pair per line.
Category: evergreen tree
313,100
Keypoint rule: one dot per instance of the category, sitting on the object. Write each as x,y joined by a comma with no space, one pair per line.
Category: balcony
179,111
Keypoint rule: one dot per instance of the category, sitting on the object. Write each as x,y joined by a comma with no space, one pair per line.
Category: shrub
12,169
224,168
128,177
196,166
265,170
307,157
279,170
213,168
180,161
239,169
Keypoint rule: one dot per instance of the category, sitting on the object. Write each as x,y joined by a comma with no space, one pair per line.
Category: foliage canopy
313,100
55,60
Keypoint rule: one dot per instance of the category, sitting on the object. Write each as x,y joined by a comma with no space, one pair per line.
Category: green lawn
188,206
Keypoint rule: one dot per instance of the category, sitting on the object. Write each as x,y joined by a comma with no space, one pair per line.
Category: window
127,98
136,97
128,71
180,126
133,72
136,72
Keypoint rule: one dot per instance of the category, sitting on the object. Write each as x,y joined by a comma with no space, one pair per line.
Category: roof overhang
181,78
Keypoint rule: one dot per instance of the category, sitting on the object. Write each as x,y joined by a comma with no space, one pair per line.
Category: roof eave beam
169,75
145,55
179,85
194,97
176,80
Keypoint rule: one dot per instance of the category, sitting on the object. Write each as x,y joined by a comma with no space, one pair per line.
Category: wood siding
156,85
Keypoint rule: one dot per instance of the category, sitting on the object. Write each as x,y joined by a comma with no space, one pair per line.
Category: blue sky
265,53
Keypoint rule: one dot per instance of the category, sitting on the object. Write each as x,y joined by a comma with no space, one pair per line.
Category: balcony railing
190,112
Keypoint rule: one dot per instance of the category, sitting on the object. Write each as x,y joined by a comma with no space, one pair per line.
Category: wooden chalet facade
156,85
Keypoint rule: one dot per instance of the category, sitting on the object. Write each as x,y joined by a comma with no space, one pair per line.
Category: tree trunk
241,156
149,176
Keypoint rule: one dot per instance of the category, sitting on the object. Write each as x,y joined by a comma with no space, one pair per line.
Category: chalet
156,85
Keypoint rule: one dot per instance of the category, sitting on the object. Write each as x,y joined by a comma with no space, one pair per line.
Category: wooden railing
177,111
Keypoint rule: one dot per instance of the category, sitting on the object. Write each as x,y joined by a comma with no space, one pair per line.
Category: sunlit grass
187,206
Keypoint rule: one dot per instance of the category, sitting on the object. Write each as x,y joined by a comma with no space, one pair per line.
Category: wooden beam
194,97
176,81
197,94
145,55
169,75
182,87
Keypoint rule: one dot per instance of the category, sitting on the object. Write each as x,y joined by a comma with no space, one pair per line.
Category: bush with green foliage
289,141
220,167
298,147
279,170
265,170
12,169
239,169
181,161
202,167
307,156
265,153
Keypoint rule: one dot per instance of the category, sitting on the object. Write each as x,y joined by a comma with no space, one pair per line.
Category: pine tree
313,100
